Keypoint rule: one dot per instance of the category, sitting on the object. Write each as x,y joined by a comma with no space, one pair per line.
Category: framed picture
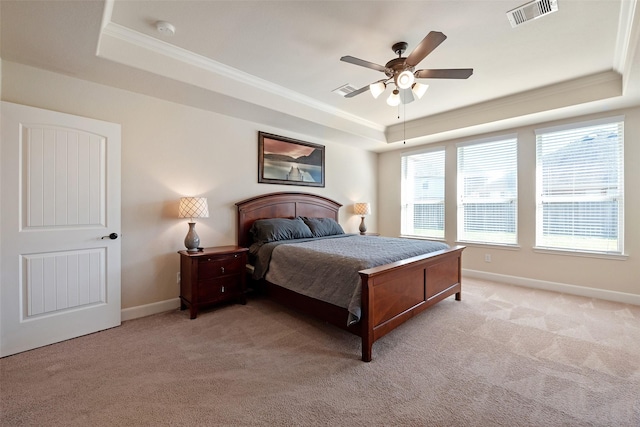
288,161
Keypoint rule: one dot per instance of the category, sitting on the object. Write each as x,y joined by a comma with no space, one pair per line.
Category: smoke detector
530,11
165,28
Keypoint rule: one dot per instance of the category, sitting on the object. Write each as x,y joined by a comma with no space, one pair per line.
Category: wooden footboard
393,293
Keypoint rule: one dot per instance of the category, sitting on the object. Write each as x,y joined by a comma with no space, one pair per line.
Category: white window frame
408,192
500,238
575,243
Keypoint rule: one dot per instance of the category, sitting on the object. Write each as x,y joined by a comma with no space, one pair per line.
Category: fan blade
451,73
406,96
363,63
426,46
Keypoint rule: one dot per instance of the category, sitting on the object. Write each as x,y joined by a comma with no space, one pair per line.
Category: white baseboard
149,309
604,294
626,298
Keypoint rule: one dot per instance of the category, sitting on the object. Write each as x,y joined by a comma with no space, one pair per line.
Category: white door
60,185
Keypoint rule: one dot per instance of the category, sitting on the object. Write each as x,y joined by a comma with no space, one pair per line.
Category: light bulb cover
419,89
405,79
394,98
377,88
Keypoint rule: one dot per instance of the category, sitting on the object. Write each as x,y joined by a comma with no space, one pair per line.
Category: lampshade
362,208
193,207
377,88
419,89
405,79
394,98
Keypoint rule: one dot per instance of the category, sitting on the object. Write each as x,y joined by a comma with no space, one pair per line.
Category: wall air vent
344,90
532,10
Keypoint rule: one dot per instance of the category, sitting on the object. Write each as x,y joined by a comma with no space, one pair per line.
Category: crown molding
189,58
628,29
595,87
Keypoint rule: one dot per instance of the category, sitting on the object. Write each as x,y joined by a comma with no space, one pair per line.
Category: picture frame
288,161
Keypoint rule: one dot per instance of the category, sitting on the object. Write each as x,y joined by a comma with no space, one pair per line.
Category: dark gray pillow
323,226
273,229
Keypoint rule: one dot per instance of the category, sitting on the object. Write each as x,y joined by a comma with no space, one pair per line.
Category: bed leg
459,296
367,346
366,351
366,318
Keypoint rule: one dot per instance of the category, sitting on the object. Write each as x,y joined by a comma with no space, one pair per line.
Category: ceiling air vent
344,90
532,10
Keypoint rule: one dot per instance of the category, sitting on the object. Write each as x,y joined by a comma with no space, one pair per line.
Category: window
423,194
488,192
579,183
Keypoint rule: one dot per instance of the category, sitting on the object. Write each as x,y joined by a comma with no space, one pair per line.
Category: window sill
489,245
433,239
565,252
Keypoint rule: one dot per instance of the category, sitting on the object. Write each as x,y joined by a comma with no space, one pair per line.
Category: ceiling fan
401,71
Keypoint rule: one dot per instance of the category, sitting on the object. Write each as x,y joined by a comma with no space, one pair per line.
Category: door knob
112,236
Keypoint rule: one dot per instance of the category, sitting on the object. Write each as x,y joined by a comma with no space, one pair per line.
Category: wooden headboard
282,205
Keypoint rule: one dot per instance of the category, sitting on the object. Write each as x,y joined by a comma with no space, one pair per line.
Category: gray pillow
323,226
274,229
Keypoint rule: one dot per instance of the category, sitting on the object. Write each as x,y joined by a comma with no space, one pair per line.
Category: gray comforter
327,268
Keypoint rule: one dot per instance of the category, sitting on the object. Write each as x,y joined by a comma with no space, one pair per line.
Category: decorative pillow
273,229
323,226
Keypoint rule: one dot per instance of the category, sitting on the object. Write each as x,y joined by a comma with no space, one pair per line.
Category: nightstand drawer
225,287
215,267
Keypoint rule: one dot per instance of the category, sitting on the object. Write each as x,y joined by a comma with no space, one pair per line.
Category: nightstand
369,234
212,276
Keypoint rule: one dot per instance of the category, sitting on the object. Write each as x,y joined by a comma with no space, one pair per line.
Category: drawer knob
222,269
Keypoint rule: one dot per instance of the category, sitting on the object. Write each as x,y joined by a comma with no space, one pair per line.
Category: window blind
422,193
488,192
579,184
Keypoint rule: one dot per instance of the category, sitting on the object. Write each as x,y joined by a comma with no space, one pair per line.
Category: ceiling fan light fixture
394,98
402,70
405,79
419,89
377,89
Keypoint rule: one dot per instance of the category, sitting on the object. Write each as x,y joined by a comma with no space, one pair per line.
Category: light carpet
504,355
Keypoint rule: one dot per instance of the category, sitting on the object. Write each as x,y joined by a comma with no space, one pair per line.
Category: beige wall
170,150
617,275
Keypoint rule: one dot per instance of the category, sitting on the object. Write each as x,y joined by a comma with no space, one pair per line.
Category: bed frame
391,293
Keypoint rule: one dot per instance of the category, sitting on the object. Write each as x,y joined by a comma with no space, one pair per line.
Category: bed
390,294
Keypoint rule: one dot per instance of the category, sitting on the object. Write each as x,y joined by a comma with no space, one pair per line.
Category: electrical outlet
487,257
178,277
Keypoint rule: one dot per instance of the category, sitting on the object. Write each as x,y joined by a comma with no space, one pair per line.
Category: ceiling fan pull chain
404,124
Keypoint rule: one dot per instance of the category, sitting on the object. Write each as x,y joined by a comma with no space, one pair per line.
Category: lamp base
192,241
363,228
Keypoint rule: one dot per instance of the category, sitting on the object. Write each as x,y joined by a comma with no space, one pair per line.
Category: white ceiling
277,62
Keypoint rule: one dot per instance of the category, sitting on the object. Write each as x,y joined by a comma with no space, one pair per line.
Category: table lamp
193,207
362,209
